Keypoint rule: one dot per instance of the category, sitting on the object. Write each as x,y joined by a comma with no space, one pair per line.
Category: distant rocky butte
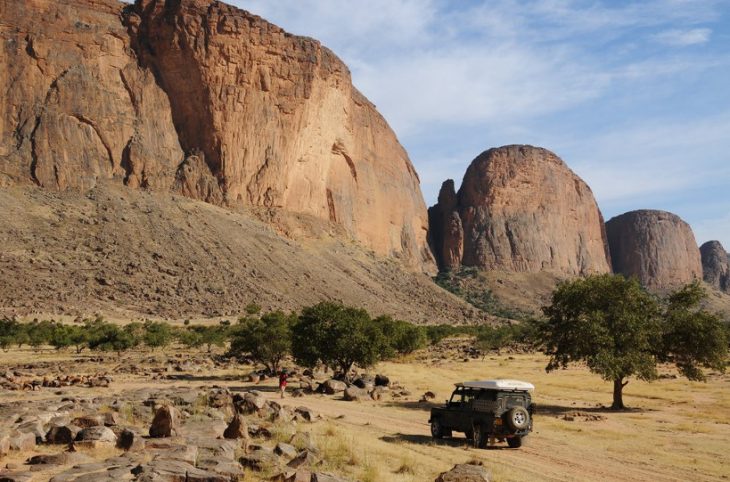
716,265
656,246
204,99
519,208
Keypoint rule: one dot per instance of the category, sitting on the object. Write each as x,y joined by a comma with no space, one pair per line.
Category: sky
633,96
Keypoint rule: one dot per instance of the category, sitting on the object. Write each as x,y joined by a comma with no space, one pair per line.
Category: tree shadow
557,410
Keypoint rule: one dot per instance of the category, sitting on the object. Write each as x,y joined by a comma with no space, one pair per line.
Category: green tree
157,334
337,336
618,329
190,337
109,337
401,337
212,335
693,338
9,330
267,339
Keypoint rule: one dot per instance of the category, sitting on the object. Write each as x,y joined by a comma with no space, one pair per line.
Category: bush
108,337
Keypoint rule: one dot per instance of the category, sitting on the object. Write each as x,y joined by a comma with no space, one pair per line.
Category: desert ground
675,430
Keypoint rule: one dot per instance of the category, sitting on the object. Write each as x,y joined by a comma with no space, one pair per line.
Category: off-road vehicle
486,411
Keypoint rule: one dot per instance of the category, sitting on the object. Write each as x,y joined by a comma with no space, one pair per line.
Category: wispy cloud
631,94
683,38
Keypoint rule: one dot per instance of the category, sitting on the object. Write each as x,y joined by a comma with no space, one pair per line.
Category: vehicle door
466,416
453,413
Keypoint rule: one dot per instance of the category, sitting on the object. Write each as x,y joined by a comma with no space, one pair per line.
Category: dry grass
676,430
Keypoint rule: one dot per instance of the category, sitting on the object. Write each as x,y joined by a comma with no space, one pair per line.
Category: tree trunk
618,392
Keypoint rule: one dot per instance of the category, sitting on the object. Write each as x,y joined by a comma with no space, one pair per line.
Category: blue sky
634,96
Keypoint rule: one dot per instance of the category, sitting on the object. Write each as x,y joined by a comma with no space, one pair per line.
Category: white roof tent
516,385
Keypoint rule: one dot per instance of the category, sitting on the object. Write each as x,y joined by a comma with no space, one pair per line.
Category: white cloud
683,38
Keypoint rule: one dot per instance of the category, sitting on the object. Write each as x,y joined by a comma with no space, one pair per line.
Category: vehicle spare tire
518,418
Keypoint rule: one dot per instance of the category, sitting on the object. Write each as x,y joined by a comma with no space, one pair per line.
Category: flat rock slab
465,473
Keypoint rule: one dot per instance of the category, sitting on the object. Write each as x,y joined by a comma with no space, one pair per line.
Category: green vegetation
337,336
620,330
475,293
267,339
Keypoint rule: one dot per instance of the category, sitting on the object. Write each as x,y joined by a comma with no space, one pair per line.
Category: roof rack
499,384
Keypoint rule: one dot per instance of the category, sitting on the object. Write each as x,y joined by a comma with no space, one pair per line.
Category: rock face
716,265
519,208
655,246
203,98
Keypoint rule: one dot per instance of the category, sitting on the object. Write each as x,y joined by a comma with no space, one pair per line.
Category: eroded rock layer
716,265
208,100
656,246
520,209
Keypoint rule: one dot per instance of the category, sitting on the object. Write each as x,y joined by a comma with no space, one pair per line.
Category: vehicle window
490,395
456,397
469,395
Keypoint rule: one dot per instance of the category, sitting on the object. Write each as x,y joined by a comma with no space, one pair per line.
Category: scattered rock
165,423
236,429
465,473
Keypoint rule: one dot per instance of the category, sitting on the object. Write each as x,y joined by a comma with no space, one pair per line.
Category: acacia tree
267,339
620,330
337,336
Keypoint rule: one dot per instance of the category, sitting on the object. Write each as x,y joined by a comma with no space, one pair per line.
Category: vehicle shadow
425,440
428,440
412,405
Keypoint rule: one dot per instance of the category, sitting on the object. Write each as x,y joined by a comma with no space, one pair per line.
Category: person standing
283,376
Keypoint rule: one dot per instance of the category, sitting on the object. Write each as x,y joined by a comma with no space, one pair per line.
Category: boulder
63,458
715,265
519,209
333,386
465,473
165,422
356,394
655,246
260,460
21,440
236,429
305,458
285,450
130,441
382,381
97,436
64,434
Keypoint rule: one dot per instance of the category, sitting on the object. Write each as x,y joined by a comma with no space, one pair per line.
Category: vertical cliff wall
208,100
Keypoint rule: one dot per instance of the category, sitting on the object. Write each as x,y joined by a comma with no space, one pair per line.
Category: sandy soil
676,430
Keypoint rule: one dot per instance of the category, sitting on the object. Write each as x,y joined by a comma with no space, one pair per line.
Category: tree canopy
337,336
620,330
267,339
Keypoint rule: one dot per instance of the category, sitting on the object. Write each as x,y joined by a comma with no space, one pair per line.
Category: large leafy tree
267,339
620,330
337,336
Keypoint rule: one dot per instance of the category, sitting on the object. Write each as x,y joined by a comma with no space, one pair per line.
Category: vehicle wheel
479,436
518,418
438,431
515,442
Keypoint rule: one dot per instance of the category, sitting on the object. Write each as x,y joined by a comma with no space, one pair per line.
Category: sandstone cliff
203,98
716,265
656,246
519,209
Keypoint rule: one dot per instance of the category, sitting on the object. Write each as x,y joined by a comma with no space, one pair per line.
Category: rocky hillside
207,100
128,253
519,209
655,246
716,265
